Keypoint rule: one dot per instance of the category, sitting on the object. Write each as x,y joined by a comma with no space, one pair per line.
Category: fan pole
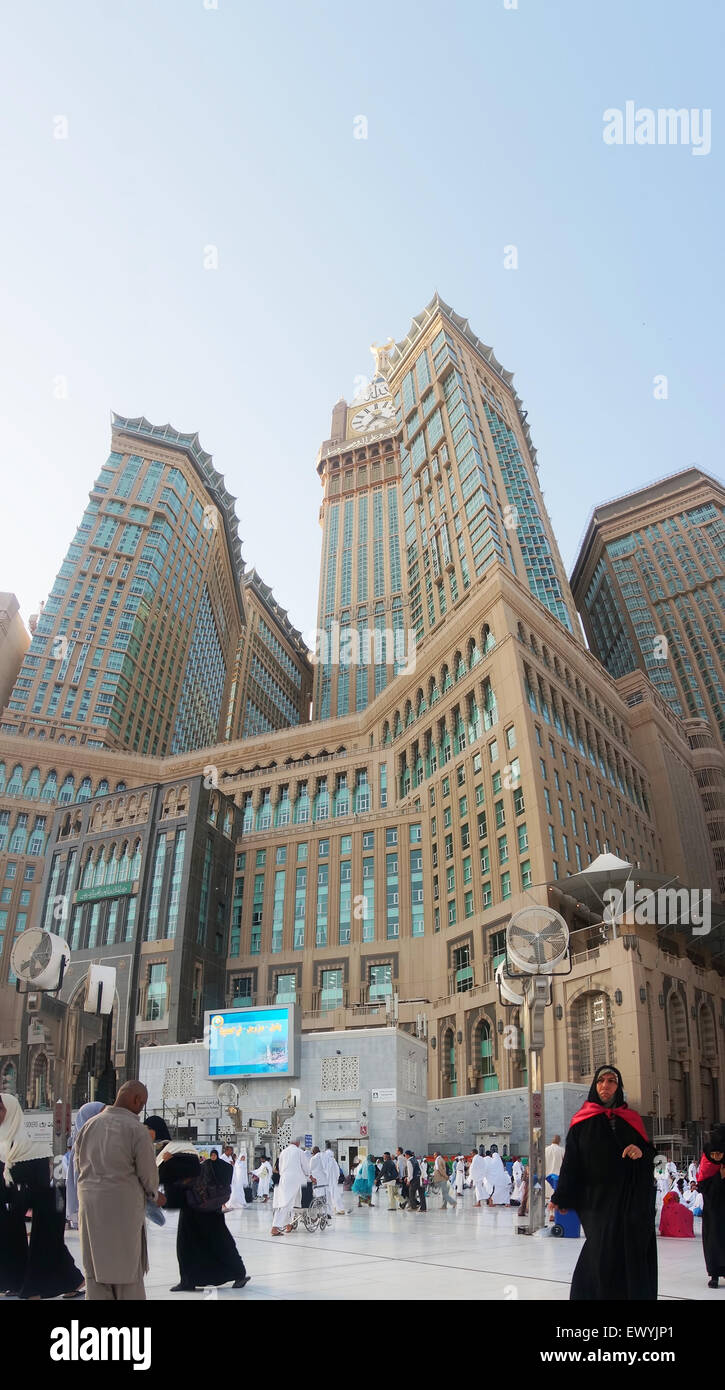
536,1137
23,1058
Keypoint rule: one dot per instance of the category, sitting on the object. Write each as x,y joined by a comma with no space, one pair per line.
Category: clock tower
362,603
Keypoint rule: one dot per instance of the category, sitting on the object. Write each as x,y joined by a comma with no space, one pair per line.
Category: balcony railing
480,983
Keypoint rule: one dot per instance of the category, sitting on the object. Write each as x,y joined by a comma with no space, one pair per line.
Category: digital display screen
252,1042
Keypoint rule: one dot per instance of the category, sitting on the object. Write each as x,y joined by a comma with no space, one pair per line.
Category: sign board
106,890
308,1141
363,1131
259,1124
39,1128
385,1095
206,1106
536,1108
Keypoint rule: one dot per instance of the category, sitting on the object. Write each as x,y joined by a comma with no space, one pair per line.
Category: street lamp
537,941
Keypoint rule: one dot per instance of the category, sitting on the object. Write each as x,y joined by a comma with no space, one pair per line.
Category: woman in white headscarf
264,1173
86,1113
460,1175
44,1269
497,1176
240,1180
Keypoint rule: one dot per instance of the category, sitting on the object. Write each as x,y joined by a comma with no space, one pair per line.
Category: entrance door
347,1151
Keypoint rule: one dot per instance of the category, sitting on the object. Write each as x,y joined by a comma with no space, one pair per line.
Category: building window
156,992
380,981
331,995
286,989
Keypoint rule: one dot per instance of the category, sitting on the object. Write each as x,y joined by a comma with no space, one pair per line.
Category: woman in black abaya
205,1247
44,1268
607,1178
712,1186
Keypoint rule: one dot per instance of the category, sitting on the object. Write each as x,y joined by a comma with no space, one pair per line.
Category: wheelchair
313,1212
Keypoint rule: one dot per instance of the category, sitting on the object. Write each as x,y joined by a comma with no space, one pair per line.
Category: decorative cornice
418,327
141,428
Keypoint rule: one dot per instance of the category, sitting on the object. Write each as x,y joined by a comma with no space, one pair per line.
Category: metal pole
23,1058
536,1137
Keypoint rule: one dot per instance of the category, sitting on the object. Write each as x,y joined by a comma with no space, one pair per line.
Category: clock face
372,416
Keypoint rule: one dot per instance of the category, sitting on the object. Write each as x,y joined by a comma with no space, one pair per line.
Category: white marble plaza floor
373,1254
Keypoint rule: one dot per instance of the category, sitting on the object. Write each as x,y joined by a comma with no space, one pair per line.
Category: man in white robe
553,1159
240,1180
517,1173
318,1174
264,1173
693,1199
332,1169
293,1172
692,1172
477,1173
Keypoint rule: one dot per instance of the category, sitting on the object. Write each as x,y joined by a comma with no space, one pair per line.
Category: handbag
201,1197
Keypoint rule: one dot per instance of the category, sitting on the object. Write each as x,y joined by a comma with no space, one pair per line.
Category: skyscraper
652,566
272,683
430,479
135,645
649,581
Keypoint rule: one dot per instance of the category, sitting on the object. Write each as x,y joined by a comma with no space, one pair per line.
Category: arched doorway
483,1060
678,1051
96,1079
592,1034
449,1075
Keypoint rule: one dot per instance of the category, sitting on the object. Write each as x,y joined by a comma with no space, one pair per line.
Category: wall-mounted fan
39,958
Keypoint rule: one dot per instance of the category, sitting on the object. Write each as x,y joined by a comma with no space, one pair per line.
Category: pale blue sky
234,127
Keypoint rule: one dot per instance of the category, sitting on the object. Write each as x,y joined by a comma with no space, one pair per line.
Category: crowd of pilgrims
610,1196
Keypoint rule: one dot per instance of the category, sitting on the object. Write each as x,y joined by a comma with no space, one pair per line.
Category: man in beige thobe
116,1168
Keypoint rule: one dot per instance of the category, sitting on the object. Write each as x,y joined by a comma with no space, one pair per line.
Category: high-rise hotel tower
134,648
649,581
430,480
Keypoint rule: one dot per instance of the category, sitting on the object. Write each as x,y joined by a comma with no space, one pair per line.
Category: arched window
50,787
448,1063
32,786
66,791
40,1082
593,1034
9,1080
100,868
136,861
19,837
708,1043
85,790
102,788
124,864
2,777
87,878
677,1022
483,1061
120,786
15,785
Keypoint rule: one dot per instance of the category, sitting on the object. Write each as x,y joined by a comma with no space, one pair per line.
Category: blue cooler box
566,1226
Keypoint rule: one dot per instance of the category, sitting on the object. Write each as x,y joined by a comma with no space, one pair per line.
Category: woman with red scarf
607,1177
711,1183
